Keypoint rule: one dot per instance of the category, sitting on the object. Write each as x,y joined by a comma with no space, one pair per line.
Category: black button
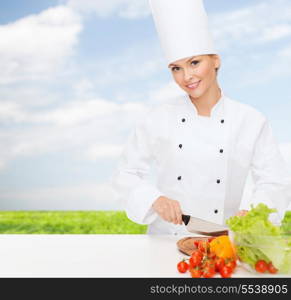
179,178
215,211
183,120
222,121
180,146
218,180
221,150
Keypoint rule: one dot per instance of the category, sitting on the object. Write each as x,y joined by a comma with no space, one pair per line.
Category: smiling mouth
193,85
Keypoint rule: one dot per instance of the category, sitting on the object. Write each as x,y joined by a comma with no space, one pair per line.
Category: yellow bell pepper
222,247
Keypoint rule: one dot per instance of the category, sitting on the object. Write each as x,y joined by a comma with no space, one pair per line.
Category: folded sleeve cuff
139,204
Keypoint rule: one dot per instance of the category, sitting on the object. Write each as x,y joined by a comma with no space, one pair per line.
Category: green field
68,222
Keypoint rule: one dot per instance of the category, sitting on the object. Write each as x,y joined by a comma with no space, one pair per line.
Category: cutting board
186,245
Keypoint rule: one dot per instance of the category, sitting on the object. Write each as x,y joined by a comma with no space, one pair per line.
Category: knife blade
197,225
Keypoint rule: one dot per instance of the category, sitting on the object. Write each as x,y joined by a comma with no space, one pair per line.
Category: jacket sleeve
272,180
131,181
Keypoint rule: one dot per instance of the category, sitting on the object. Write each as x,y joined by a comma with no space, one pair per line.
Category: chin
195,94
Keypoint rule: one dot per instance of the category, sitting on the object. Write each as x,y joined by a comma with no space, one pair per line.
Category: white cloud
10,111
276,32
285,53
130,9
140,60
165,93
255,42
68,114
256,24
83,86
37,45
73,127
277,66
76,112
31,94
87,196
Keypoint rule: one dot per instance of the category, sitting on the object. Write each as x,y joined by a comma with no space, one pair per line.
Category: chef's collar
216,111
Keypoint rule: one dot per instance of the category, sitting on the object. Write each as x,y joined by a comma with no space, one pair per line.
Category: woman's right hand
168,209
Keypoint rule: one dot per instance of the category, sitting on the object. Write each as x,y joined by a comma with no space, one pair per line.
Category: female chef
203,144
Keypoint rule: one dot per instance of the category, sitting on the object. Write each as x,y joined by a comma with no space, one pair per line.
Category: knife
203,227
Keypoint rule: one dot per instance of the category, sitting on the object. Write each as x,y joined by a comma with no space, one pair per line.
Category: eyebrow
186,61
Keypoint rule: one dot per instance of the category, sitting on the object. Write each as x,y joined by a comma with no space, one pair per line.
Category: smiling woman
203,143
195,76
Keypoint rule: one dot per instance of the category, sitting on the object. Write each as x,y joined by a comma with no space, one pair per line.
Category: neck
205,103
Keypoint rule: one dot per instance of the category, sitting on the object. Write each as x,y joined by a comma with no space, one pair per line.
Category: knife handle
185,219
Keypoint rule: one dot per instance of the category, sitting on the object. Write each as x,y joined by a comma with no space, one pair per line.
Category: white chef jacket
203,162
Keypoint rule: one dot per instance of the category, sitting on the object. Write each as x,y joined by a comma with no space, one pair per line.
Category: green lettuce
286,223
256,237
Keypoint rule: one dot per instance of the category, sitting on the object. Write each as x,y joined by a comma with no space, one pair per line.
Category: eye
195,62
175,68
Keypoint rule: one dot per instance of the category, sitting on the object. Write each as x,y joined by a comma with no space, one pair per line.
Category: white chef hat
182,27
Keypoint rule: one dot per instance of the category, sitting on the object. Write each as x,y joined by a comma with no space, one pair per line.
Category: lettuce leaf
258,238
286,223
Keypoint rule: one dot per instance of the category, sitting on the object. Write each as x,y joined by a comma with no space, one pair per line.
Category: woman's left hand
242,213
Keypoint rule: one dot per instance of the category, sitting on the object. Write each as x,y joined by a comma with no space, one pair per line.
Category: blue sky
76,75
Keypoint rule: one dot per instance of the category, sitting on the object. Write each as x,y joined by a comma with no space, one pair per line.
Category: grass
68,222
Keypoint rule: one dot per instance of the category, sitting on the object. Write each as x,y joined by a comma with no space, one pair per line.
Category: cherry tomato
231,263
182,266
196,273
225,272
196,243
203,246
192,262
211,255
261,266
271,268
197,253
208,271
219,263
195,259
209,263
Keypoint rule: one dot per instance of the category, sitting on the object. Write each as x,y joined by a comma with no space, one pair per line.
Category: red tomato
195,273
271,268
209,263
203,246
219,263
211,255
182,266
196,243
192,262
231,263
225,272
208,272
195,259
261,266
197,253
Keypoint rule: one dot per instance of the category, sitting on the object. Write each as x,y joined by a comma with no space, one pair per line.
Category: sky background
76,75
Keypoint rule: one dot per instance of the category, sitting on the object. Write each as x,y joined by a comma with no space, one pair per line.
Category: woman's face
195,75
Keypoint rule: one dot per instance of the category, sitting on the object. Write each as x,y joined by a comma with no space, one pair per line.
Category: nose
188,74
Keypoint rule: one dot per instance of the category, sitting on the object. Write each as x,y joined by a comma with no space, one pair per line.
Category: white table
93,256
